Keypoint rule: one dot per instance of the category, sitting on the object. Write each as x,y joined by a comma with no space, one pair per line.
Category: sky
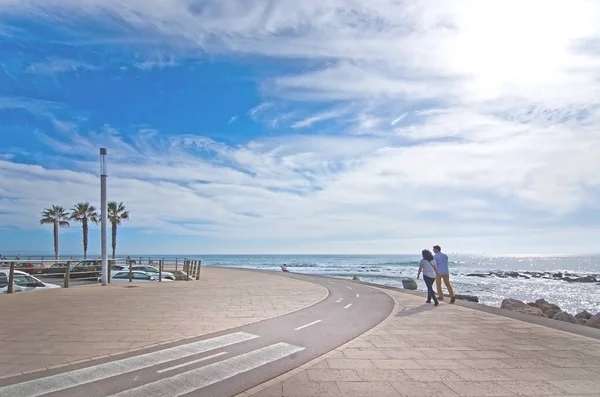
329,126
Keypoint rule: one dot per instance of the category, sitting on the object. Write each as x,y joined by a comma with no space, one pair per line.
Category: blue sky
329,126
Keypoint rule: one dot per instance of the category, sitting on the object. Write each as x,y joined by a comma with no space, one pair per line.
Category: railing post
160,267
187,270
131,271
175,264
198,271
67,275
11,278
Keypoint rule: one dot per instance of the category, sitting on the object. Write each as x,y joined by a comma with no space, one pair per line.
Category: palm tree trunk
85,238
114,239
56,238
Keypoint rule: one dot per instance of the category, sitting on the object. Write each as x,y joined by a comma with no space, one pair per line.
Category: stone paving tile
579,386
85,322
479,389
367,389
458,352
432,375
423,389
382,375
529,388
332,375
355,353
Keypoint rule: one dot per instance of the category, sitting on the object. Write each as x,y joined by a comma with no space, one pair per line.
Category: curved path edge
290,341
140,350
317,360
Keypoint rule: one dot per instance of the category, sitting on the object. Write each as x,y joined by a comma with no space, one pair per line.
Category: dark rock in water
470,298
409,283
355,278
584,279
584,315
549,309
521,307
564,316
557,275
594,321
476,275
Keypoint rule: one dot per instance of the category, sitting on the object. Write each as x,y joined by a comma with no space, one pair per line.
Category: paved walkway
46,329
448,351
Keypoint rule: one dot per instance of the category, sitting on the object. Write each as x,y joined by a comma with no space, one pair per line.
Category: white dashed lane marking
307,325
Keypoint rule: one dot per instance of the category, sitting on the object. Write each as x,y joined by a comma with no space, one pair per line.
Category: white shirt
428,269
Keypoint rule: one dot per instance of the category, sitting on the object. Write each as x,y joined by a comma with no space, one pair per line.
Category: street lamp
103,214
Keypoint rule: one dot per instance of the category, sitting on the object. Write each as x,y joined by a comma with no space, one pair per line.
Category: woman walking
429,269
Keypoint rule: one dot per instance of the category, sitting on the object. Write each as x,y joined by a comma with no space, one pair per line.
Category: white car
142,268
136,276
23,282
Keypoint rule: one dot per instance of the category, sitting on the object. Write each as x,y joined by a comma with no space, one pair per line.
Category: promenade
355,341
45,329
448,351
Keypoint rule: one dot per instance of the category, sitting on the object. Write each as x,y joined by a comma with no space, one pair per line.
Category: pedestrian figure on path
441,260
429,269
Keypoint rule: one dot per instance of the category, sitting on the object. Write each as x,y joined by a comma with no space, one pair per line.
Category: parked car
136,276
88,268
31,268
57,270
142,268
23,282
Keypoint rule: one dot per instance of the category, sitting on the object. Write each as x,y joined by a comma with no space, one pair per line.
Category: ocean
391,269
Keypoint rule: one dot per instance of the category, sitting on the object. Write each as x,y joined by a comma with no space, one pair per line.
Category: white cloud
398,119
503,98
317,118
54,66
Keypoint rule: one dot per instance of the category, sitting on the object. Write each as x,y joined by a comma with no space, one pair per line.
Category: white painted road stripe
349,287
339,300
308,325
357,295
187,382
160,371
65,380
348,305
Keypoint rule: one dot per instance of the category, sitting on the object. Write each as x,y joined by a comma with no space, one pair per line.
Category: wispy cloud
258,109
232,119
53,66
317,118
398,119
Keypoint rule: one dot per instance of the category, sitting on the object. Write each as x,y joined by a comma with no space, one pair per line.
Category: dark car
56,270
86,269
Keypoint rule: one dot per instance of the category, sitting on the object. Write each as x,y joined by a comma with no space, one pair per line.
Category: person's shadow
409,311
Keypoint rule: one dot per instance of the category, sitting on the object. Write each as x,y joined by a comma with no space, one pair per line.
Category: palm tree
116,213
84,213
57,216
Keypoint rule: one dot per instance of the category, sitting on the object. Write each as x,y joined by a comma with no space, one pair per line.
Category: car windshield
23,279
146,269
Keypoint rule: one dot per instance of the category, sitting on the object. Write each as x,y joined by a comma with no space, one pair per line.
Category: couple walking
435,268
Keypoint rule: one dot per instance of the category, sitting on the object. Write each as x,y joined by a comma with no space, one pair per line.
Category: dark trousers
430,294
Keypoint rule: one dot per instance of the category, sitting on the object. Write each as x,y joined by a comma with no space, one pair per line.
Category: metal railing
70,269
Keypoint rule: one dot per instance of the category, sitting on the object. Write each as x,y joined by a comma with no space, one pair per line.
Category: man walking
443,274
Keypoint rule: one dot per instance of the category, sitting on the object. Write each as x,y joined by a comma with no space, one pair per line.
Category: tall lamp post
103,214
